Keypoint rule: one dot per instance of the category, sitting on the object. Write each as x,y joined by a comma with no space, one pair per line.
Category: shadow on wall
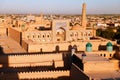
119,64
102,47
117,53
67,60
69,48
77,62
59,78
4,65
75,47
57,49
1,51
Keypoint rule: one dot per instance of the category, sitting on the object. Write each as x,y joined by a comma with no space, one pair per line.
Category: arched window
28,36
48,36
39,35
43,35
110,55
89,33
58,33
76,34
71,34
33,36
104,55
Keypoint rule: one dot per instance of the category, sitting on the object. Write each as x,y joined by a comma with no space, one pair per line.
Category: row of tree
110,33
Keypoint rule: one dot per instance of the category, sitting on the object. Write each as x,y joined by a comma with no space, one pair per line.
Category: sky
59,6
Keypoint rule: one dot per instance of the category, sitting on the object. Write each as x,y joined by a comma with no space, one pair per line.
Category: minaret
84,15
41,15
42,18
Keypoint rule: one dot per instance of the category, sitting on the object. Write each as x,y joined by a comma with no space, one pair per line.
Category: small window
58,39
71,35
110,55
33,36
48,36
89,34
104,55
100,54
43,36
76,34
38,36
58,33
28,37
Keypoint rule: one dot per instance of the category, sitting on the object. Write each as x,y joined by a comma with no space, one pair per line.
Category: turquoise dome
109,47
109,44
88,45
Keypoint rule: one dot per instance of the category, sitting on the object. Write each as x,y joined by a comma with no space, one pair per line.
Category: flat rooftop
99,74
110,75
91,57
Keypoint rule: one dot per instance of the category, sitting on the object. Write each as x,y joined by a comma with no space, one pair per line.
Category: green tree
108,33
117,35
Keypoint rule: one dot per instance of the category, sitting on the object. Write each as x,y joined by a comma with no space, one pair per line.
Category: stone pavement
9,45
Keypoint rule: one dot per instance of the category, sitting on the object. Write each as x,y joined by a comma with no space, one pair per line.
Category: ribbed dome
88,45
76,27
109,44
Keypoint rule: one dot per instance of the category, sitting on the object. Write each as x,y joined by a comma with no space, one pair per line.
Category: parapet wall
96,66
103,53
35,75
32,60
32,46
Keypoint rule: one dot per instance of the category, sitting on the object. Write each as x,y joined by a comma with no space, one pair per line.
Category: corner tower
84,15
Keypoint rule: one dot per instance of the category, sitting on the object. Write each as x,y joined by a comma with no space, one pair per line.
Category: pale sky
60,6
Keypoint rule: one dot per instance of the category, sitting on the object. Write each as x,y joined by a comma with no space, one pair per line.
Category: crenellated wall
32,60
37,75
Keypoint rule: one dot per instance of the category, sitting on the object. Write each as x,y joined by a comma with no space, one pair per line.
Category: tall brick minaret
84,15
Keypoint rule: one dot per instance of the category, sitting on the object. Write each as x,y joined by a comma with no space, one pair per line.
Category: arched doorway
61,34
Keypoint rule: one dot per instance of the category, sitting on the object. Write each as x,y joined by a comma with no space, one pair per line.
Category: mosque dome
109,47
109,44
76,27
88,45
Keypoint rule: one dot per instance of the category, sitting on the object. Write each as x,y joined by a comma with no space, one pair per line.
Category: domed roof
88,45
76,27
109,44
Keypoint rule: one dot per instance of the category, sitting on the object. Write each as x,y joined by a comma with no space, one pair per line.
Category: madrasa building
47,36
